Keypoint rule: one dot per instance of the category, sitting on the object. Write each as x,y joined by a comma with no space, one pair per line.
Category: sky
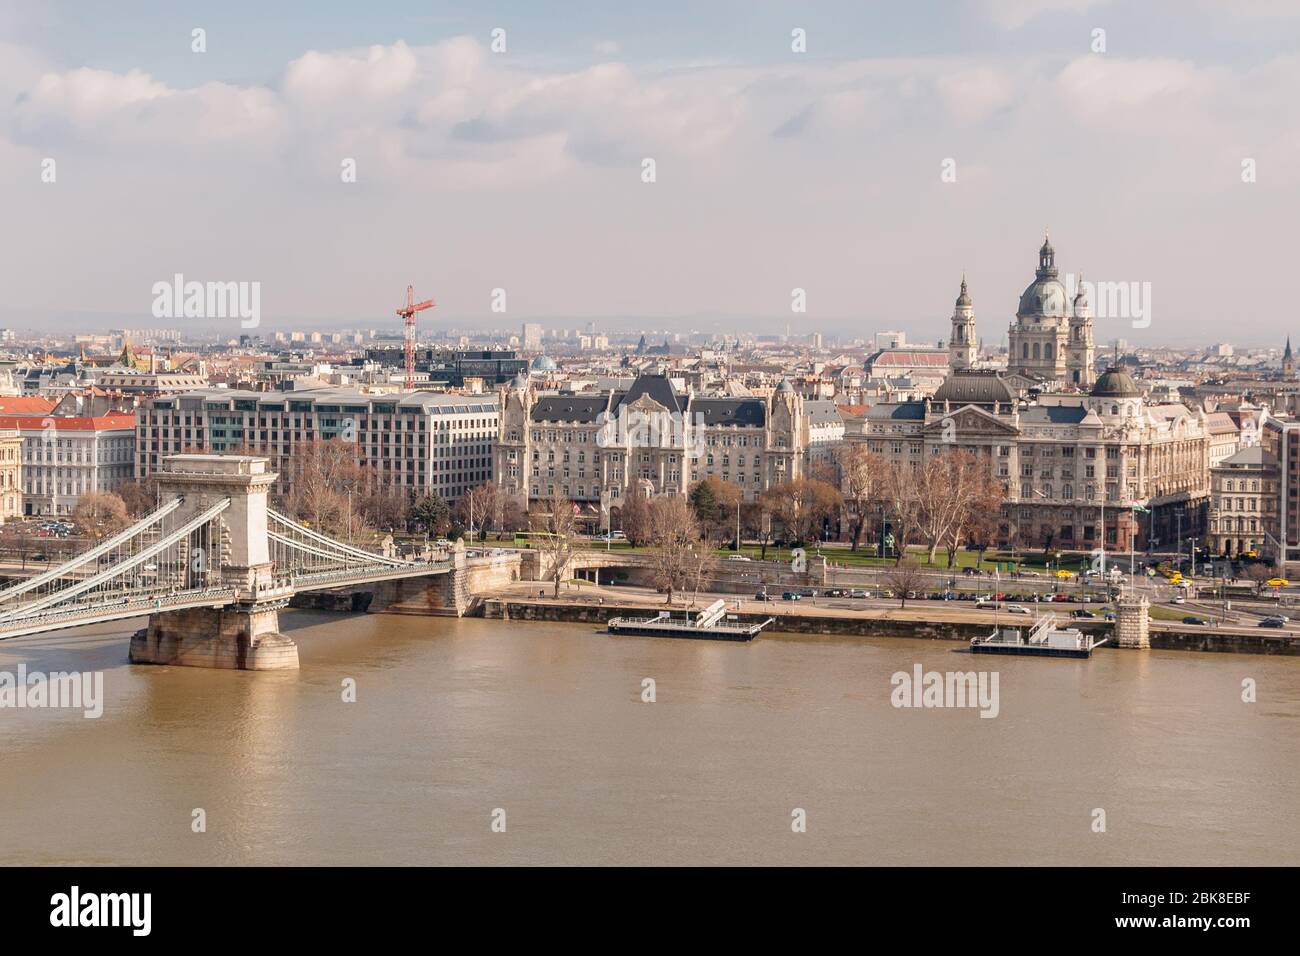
905,145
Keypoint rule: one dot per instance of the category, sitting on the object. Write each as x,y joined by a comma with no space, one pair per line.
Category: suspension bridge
212,567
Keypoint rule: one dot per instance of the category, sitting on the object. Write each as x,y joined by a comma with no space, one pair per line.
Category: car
1273,620
442,543
986,605
970,572
739,557
1017,609
791,596
1192,620
762,596
859,593
1083,613
834,592
1178,599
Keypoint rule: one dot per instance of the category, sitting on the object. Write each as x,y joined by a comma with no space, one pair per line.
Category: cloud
1014,14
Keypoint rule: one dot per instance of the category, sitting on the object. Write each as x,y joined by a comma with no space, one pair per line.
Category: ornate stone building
1244,504
1074,465
1052,337
596,449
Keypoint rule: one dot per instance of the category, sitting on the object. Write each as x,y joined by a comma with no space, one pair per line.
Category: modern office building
421,442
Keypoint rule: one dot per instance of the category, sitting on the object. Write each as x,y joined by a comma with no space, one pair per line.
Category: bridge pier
245,634
240,637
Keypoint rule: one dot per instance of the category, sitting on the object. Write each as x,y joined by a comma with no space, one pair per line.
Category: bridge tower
243,634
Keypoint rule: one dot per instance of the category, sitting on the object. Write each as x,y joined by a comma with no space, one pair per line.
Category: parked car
1083,613
970,572
791,596
1273,620
1192,620
762,596
859,593
739,557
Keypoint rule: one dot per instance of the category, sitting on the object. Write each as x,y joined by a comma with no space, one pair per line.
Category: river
454,720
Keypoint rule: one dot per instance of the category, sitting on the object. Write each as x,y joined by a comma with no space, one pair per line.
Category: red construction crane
408,333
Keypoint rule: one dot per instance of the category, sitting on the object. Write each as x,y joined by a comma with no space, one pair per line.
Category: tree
325,477
432,514
19,541
863,477
476,508
385,507
802,505
1257,574
902,498
674,531
636,517
514,516
904,578
100,513
140,497
702,560
714,502
560,539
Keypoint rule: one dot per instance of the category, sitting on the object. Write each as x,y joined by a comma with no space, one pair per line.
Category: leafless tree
863,477
100,513
560,538
325,478
902,497
801,505
904,578
674,532
636,517
476,508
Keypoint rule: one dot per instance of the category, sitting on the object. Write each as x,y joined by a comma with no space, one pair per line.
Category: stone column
1132,622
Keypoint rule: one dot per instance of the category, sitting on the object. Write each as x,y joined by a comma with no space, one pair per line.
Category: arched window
1024,350
1036,351
1047,351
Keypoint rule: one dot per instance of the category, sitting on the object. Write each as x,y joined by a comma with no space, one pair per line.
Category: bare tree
325,477
100,513
903,499
140,497
476,508
863,477
560,538
802,505
674,531
701,561
1257,574
636,517
904,578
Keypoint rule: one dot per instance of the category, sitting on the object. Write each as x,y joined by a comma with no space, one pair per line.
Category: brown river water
454,720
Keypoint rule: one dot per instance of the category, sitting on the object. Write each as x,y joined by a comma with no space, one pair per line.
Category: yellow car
1277,582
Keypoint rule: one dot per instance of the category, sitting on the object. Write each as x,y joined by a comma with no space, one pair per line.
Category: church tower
1288,363
962,350
1081,359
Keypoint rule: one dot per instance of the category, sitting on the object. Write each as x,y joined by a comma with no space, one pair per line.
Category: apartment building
64,457
421,442
1244,503
11,474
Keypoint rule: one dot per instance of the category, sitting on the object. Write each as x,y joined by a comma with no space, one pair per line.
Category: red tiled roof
69,423
24,405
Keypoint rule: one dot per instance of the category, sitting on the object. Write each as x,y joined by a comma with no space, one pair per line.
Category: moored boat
1044,639
713,623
